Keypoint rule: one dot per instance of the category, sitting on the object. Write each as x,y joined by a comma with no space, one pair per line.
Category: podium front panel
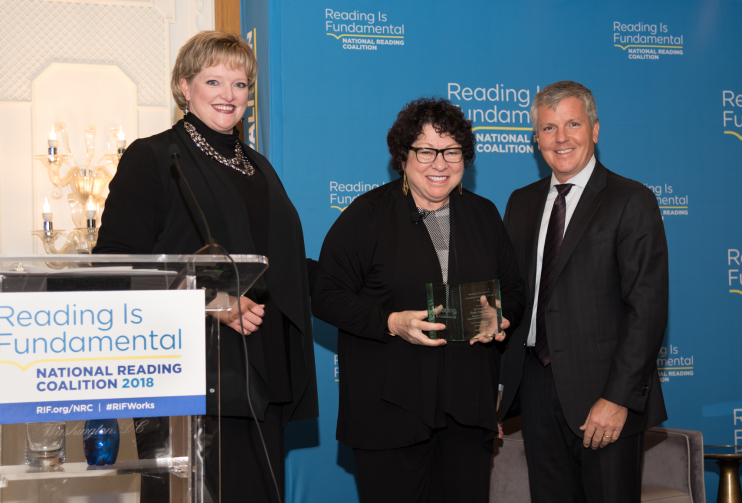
160,459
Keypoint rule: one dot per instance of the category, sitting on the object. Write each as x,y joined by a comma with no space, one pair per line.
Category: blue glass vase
101,441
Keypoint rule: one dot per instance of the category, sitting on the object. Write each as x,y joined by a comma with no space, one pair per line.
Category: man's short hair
551,95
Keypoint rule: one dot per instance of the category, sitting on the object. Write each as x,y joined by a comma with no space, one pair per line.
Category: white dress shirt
578,181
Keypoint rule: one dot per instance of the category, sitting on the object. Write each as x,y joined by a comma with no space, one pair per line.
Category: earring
405,187
185,111
461,188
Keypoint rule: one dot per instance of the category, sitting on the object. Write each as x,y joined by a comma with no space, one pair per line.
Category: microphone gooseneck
211,248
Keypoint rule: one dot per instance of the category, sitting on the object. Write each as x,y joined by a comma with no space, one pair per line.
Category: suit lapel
533,226
590,200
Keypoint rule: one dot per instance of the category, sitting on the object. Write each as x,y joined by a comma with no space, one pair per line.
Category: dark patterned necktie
552,246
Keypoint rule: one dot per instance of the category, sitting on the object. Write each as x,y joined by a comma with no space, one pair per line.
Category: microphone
415,216
211,248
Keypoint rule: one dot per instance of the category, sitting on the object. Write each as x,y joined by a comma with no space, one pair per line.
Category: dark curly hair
442,115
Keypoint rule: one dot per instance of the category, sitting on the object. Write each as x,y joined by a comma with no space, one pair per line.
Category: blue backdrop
667,77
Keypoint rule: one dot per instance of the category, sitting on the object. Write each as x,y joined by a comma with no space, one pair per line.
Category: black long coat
375,260
149,211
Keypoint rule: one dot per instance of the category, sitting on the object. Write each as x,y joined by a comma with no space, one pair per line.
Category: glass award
467,310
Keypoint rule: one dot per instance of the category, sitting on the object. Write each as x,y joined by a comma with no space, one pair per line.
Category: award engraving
467,310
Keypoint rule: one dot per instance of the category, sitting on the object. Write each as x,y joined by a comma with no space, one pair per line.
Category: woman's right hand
252,316
409,326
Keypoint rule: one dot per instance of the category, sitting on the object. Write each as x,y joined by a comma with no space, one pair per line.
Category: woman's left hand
489,313
252,316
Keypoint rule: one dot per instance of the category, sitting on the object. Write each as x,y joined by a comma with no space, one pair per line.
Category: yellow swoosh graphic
338,208
110,358
736,291
363,35
734,133
662,46
503,128
675,368
674,207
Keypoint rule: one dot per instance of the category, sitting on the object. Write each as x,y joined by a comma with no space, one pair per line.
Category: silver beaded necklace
239,163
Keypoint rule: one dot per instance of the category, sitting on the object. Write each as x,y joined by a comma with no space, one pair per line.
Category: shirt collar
443,210
581,178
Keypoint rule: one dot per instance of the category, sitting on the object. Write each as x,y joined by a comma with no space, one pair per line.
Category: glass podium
160,459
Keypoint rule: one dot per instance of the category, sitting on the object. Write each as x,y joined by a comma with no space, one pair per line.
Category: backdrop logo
501,116
363,31
670,202
342,194
672,363
646,41
735,278
732,118
723,410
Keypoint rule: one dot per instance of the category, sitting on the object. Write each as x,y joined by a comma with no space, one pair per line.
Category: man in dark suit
581,366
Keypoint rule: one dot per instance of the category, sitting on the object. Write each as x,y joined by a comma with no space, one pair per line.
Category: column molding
227,18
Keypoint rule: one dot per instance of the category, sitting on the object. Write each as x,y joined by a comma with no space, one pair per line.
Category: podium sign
103,337
97,355
460,308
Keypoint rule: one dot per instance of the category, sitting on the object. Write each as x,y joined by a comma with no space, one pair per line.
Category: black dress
376,260
148,211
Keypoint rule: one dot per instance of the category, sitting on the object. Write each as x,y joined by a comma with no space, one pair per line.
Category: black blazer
607,310
375,260
151,203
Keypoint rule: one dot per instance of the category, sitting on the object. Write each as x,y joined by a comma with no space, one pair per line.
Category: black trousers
452,466
560,469
245,474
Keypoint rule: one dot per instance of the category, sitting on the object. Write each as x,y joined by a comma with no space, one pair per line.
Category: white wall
83,62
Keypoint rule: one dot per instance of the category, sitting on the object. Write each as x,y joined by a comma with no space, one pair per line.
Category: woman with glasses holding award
418,398
248,211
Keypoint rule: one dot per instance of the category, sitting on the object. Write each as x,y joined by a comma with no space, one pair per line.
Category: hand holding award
471,312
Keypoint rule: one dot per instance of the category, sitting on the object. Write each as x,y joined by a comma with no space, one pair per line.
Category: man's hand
603,424
252,316
409,326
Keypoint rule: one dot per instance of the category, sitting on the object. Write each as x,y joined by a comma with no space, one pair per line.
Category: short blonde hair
207,49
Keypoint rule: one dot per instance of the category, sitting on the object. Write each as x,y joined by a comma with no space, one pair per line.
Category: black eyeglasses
426,155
